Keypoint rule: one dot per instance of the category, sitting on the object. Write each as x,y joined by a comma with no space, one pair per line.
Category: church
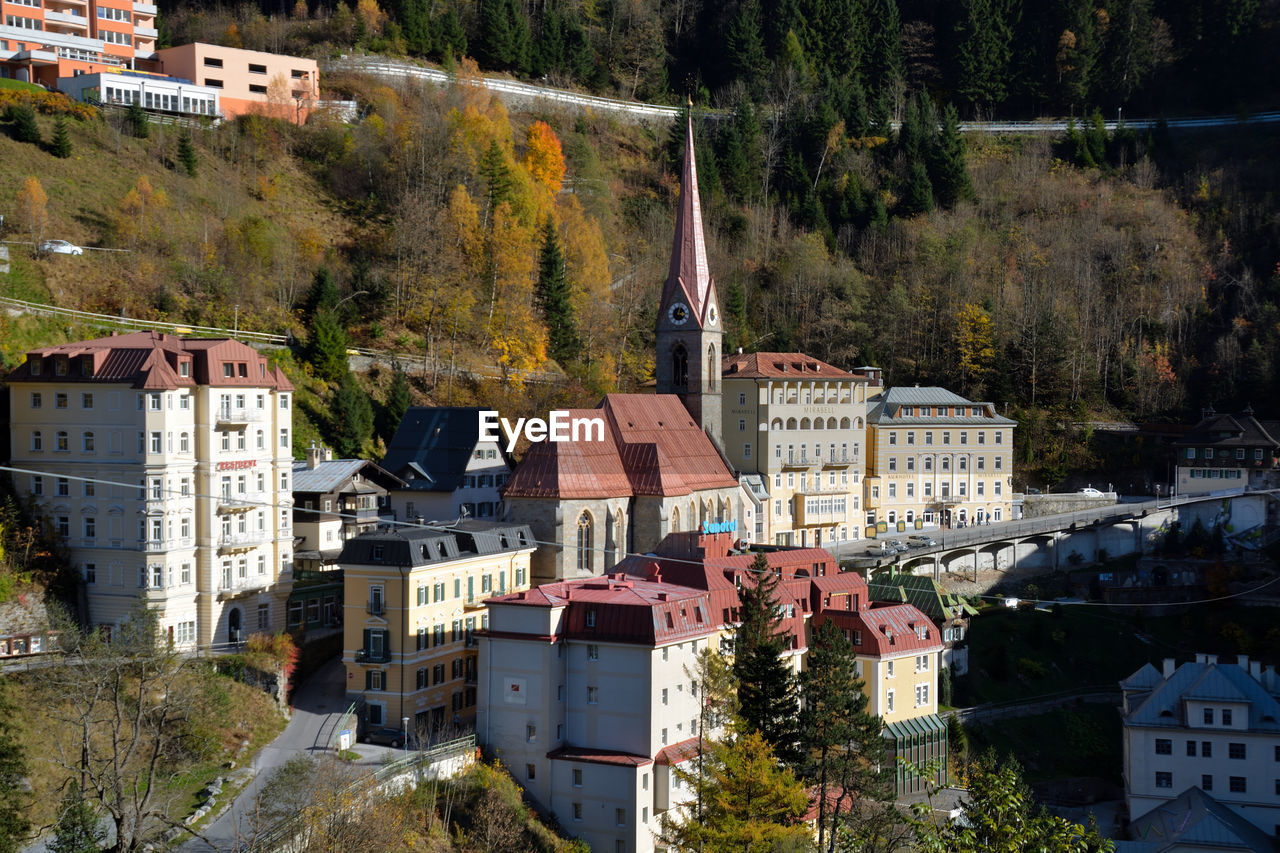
661,467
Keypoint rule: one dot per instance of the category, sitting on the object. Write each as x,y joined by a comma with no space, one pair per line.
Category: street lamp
405,725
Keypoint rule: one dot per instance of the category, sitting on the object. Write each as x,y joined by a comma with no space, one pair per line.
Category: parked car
1031,490
919,540
898,545
60,247
385,736
881,548
1090,493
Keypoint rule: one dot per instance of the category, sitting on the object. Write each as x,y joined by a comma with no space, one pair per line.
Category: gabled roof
415,547
1196,820
1143,679
1242,430
432,446
887,630
1219,682
651,446
789,365
332,475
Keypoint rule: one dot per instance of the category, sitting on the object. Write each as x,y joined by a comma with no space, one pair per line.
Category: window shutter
366,645
368,679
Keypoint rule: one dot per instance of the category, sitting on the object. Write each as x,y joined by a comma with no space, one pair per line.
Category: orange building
248,81
42,40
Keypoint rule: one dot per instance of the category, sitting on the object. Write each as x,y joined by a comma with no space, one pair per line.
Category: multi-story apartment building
801,424
950,613
937,458
164,464
248,81
1211,725
449,472
1226,452
44,40
586,691
413,600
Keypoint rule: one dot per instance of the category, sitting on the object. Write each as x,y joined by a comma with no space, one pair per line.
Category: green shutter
365,640
368,679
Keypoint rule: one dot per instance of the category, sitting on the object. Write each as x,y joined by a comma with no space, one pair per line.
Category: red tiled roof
678,753
150,360
599,756
887,631
651,446
792,365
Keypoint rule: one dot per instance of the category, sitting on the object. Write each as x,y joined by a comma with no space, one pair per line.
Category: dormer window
37,366
228,370
243,370
184,369
86,367
591,618
60,367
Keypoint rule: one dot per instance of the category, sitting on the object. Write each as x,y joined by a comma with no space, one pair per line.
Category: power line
451,527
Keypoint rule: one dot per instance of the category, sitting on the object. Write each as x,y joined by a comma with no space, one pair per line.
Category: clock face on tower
678,313
712,314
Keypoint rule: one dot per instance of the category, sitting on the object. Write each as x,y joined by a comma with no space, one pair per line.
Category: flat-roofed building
248,81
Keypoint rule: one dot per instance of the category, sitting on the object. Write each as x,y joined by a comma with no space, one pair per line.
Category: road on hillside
513,90
318,707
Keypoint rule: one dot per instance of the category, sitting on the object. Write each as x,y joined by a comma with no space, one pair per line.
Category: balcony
472,602
839,459
145,9
237,414
243,541
241,586
79,23
145,32
373,656
798,460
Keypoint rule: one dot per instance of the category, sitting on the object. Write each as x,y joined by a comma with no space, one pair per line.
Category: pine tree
451,38
553,298
744,47
25,128
497,179
919,195
14,825
323,294
397,404
139,124
78,829
327,347
948,171
187,153
831,691
504,36
61,145
766,686
885,63
985,50
352,414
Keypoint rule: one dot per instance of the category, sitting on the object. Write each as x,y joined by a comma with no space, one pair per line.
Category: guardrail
282,836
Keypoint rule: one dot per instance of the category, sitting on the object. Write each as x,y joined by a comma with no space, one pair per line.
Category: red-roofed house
164,464
585,687
655,472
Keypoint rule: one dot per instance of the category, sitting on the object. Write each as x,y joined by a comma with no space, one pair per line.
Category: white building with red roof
586,689
164,465
655,472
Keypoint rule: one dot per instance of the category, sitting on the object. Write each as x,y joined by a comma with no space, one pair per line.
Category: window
37,399
1164,746
90,527
593,653
888,702
922,663
1206,782
1226,716
577,811
37,485
59,401
1164,779
64,442
531,733
87,442
255,68
577,777
1191,749
64,487
157,444
212,62
593,695
922,695
37,441
620,816
257,89
1206,749
1236,751
284,437
1208,716
888,669
1236,784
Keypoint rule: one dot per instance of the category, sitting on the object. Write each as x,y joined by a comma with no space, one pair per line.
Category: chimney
1255,669
1201,657
1242,661
313,455
1170,664
739,350
1211,659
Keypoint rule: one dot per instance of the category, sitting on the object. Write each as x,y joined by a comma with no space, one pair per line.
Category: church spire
689,277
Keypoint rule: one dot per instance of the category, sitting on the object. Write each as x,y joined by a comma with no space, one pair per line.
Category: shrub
23,119
1031,669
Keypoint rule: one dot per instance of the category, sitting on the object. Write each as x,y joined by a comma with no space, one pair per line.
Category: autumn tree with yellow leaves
33,209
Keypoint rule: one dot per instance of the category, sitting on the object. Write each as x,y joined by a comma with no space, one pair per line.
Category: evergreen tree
830,690
744,46
985,48
352,413
78,829
25,128
885,63
450,37
397,404
14,825
919,195
948,171
327,347
554,299
766,686
415,22
504,36
61,145
497,178
187,153
323,294
139,124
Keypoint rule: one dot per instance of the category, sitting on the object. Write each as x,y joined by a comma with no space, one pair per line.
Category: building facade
413,601
164,464
149,91
1204,724
1225,452
449,472
801,424
248,81
950,613
937,459
44,40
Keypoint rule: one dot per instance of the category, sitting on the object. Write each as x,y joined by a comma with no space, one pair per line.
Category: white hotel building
164,465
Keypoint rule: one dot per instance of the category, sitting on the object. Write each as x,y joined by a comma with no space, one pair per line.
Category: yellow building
801,424
937,459
413,600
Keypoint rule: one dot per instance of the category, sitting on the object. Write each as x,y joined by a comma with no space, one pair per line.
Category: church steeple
689,332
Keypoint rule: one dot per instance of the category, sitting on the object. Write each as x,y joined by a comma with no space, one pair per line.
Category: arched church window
584,543
680,368
713,367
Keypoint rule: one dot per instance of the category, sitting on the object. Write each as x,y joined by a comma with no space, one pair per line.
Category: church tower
690,328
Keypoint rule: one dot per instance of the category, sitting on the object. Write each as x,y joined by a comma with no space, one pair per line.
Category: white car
1090,493
60,247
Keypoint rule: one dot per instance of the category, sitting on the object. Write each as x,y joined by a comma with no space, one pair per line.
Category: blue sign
709,527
